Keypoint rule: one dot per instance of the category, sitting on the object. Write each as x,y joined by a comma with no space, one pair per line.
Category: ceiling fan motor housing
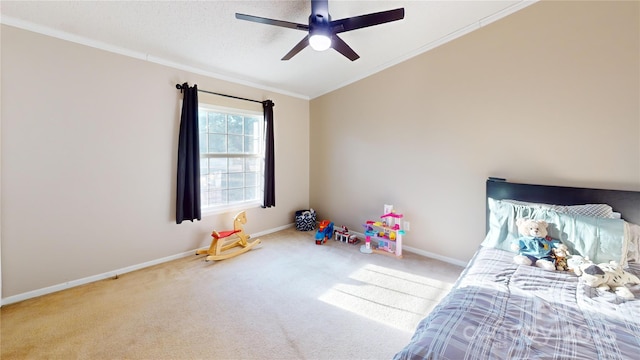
319,32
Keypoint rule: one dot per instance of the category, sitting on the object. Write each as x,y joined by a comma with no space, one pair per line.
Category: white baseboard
112,274
255,235
435,256
423,253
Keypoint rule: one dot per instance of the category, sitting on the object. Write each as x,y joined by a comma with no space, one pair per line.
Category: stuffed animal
560,255
607,276
534,247
574,262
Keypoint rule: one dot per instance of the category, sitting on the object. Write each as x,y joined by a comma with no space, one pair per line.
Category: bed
500,310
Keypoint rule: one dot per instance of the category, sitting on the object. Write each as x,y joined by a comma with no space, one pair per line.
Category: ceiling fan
323,32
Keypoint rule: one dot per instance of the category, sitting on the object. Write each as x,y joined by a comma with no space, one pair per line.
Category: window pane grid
231,158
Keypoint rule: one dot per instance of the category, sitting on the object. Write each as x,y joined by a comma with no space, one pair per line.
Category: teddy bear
534,247
605,276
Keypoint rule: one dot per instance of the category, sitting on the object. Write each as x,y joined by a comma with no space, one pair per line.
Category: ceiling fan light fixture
320,42
323,32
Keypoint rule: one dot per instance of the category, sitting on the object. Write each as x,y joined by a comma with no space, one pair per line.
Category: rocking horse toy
225,240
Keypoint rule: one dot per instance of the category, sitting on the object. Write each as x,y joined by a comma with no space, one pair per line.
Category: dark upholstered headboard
625,202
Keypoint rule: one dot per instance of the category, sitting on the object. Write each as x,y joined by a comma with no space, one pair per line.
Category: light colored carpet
286,299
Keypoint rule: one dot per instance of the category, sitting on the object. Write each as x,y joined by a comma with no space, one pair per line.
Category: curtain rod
178,86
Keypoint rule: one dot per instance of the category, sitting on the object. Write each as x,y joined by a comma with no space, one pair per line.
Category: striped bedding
499,310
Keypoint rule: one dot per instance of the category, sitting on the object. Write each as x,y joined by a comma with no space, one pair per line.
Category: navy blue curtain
269,157
188,191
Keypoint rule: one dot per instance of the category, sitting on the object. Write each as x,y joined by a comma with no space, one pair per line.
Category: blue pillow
599,239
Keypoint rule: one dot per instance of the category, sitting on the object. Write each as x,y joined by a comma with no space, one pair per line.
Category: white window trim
246,205
230,208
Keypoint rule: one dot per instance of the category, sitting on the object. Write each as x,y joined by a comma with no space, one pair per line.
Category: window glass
231,157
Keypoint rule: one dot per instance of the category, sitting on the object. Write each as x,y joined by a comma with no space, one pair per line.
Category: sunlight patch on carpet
394,298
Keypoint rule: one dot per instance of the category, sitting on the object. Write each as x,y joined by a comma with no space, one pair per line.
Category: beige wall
89,144
547,95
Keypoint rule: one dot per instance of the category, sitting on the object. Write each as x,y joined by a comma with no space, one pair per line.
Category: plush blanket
500,310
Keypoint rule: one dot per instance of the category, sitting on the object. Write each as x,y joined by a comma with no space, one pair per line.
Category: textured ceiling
205,36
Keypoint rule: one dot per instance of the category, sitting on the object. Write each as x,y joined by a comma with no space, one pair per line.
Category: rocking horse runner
225,240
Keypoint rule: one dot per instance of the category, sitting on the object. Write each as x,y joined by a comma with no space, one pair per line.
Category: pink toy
366,248
393,215
385,237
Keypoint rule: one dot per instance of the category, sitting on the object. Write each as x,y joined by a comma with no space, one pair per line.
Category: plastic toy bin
305,220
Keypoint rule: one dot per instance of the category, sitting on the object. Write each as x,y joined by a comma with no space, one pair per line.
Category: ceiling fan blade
362,21
286,24
340,46
320,24
296,49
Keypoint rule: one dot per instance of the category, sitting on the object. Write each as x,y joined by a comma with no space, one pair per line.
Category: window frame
205,208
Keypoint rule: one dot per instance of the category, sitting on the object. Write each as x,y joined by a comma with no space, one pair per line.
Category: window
231,157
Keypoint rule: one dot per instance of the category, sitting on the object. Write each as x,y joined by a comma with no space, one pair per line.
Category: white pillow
595,210
632,231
